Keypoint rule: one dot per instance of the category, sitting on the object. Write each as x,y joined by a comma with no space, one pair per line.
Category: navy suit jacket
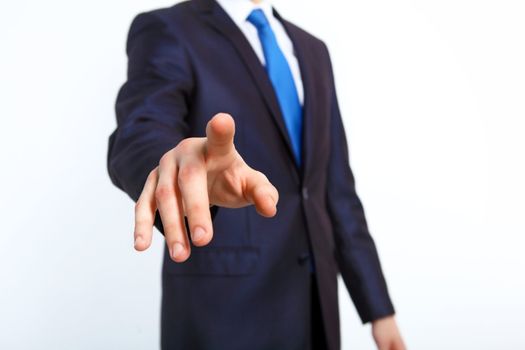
250,287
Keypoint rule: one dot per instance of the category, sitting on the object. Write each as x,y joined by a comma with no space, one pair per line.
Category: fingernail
198,233
138,239
177,250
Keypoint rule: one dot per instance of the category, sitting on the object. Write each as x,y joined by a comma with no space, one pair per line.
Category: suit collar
239,10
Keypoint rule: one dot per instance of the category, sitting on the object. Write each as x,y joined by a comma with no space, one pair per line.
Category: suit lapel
307,68
214,15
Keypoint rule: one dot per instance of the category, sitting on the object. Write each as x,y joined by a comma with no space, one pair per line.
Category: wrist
384,320
386,333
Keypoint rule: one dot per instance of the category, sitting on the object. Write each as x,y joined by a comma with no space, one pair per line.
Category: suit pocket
225,261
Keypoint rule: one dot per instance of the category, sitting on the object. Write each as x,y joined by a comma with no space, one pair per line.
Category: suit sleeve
151,106
355,249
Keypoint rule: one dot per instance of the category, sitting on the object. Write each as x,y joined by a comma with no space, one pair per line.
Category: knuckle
138,207
185,145
164,192
141,222
260,176
142,209
276,194
153,173
165,159
196,209
172,230
188,172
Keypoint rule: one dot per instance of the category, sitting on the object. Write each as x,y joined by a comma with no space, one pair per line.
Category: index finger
219,135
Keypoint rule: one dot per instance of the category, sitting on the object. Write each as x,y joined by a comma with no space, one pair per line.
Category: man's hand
386,334
199,172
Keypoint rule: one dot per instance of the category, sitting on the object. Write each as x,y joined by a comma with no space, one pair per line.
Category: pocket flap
230,261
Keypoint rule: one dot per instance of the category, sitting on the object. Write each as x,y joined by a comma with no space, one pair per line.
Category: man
252,256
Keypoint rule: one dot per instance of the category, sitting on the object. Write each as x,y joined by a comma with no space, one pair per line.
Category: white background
432,94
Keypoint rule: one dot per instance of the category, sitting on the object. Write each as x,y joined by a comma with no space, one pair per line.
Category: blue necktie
282,80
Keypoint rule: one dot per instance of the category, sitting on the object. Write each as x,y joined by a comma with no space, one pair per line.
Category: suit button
303,258
305,193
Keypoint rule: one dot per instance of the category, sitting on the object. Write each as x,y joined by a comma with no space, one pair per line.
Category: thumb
260,192
219,133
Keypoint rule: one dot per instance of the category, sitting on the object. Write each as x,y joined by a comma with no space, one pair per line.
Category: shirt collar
239,10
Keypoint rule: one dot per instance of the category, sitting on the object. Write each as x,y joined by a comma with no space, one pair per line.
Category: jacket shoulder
177,14
162,23
315,44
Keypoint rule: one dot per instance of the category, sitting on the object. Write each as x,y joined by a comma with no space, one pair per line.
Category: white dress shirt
239,10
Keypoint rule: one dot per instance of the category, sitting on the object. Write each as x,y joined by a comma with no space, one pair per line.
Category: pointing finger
219,132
